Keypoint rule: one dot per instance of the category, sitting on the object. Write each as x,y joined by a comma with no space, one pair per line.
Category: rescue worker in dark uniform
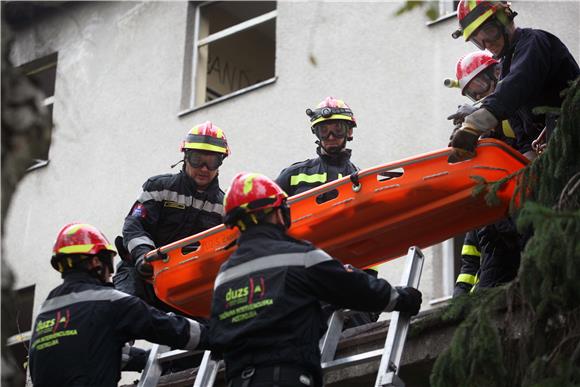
266,317
332,122
80,330
490,257
470,264
535,67
172,207
477,75
491,254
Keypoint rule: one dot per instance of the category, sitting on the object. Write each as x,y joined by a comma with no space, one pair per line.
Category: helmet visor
487,34
481,86
337,128
197,159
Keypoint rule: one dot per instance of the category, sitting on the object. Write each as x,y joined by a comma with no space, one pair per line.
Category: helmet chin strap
336,150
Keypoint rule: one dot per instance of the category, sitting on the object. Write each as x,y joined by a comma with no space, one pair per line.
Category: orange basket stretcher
376,215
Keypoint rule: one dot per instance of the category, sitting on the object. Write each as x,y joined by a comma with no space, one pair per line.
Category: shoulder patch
138,211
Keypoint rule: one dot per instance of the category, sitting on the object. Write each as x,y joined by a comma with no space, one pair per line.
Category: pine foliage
544,349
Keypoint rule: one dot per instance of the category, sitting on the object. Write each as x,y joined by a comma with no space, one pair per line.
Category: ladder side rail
207,371
330,340
152,370
399,326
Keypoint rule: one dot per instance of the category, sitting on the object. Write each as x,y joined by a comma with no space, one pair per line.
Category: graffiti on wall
228,75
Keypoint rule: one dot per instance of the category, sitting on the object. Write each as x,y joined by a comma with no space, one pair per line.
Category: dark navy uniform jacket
535,69
171,208
266,302
311,173
81,328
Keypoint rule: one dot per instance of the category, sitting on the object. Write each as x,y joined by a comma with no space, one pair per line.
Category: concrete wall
118,93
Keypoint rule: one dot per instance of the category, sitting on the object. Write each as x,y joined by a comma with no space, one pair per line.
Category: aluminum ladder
390,355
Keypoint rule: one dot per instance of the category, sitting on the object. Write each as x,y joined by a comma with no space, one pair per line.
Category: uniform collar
81,276
267,230
211,189
336,158
512,44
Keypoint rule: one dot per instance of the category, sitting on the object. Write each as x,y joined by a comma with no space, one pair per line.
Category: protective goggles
482,85
336,128
487,34
212,161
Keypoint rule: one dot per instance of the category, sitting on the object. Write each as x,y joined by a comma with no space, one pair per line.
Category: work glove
461,288
409,300
145,269
462,112
463,143
478,123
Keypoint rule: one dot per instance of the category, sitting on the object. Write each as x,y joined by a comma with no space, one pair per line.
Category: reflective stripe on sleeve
194,335
142,240
466,278
85,296
470,250
125,355
306,260
507,129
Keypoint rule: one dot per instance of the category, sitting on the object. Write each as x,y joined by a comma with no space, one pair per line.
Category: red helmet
79,238
471,65
331,109
207,137
248,194
473,13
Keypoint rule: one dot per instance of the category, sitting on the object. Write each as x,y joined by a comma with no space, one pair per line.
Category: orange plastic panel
428,203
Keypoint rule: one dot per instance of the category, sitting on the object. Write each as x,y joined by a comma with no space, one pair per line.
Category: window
441,10
448,268
234,49
42,72
446,7
18,344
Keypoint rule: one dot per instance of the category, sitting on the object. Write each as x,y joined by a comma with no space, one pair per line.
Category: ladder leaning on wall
390,354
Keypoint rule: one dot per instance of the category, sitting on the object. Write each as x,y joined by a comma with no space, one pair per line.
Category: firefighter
535,67
477,75
266,316
172,207
80,330
332,122
491,254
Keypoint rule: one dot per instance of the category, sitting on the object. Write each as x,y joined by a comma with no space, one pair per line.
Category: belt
272,375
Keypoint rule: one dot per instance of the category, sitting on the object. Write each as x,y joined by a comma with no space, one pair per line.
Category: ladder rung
352,360
175,354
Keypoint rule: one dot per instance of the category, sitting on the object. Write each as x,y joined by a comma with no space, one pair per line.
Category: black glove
461,288
409,300
463,142
145,269
462,112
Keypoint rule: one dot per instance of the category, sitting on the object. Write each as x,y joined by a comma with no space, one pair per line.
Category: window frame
444,13
225,33
45,62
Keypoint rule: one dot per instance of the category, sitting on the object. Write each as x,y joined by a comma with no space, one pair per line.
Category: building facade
125,81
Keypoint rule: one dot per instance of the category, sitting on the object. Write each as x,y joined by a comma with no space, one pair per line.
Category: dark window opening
235,47
42,72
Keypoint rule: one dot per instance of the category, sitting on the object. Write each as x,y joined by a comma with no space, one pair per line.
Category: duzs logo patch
139,211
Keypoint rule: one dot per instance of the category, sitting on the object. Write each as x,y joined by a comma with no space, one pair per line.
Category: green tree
545,349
